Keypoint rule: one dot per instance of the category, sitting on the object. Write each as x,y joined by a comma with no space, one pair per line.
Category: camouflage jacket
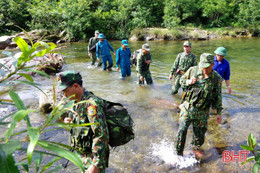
91,139
141,65
183,62
210,87
92,42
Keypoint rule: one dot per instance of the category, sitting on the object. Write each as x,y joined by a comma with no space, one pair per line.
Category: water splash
164,151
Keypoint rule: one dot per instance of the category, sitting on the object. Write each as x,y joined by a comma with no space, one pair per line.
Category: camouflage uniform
92,42
183,62
92,141
142,68
195,108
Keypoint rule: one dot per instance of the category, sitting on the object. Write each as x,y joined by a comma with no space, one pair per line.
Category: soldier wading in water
91,142
203,90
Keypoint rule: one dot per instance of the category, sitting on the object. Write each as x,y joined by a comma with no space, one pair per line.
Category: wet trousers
125,70
147,76
176,84
104,61
94,59
199,120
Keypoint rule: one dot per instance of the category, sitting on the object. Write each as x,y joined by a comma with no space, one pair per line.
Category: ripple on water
164,151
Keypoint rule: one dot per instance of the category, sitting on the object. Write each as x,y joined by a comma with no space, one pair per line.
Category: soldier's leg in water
128,70
148,77
104,62
184,123
140,82
110,62
176,85
123,71
93,58
199,130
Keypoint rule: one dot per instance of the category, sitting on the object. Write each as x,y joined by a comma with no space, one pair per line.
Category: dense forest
117,18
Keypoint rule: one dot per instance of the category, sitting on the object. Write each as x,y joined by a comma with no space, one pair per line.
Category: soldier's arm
139,63
100,133
117,57
217,96
188,78
89,44
97,51
110,47
175,64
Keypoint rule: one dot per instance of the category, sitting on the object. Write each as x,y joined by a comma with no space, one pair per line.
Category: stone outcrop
7,42
49,63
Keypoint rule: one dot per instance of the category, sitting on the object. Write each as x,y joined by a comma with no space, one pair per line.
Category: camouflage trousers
176,84
94,59
87,160
199,120
147,76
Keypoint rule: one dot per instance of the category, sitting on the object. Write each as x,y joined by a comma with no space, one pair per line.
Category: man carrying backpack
203,90
90,142
144,59
92,49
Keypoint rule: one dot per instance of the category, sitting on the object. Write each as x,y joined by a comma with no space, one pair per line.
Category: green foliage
7,145
251,146
117,18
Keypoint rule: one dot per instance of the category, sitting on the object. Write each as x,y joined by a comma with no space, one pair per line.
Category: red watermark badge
232,156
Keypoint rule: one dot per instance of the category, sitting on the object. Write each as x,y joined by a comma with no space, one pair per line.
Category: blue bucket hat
125,42
101,35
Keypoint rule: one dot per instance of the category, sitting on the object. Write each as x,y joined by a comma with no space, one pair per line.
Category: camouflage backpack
134,56
119,122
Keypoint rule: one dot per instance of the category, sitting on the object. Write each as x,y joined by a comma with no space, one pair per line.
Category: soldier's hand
98,60
219,119
141,78
117,68
192,80
114,53
170,77
148,61
67,120
92,169
229,90
89,54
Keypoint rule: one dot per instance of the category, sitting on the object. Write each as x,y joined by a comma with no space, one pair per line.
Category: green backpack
119,122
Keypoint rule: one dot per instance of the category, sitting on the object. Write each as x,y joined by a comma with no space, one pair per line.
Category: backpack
119,122
134,56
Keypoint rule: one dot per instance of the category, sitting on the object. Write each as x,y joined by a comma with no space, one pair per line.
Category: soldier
144,59
203,90
90,142
222,66
123,56
92,49
103,47
182,63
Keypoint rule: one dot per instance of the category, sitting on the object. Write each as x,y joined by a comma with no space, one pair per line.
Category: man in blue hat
123,55
222,66
103,47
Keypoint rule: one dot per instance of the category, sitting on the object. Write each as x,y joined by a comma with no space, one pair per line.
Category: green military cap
67,78
221,51
206,60
187,43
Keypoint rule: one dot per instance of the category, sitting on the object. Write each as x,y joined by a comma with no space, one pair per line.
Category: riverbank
157,34
139,34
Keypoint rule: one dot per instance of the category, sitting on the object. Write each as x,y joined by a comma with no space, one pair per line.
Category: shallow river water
154,111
